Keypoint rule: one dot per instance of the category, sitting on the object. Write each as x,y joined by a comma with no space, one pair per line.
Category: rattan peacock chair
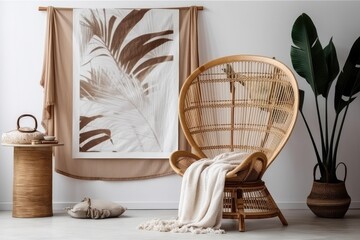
239,103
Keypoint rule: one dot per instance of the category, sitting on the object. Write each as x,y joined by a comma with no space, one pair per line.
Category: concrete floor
302,225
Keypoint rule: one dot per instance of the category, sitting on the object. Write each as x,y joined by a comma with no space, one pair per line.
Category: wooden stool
32,183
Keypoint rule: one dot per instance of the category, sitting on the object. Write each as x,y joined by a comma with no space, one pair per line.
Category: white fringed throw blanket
201,198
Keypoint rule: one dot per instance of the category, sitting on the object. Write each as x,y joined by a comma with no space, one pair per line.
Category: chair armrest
254,163
181,160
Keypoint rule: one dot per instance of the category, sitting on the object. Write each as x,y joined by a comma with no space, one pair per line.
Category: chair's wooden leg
282,218
241,223
280,215
240,209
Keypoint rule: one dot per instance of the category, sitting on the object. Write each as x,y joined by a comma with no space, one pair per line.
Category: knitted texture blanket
201,198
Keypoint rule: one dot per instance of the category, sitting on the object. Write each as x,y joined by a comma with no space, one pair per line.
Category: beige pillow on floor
95,209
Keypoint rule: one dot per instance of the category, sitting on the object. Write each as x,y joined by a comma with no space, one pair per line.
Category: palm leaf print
95,137
119,83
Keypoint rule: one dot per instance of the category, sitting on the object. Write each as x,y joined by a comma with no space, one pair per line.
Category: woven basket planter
329,200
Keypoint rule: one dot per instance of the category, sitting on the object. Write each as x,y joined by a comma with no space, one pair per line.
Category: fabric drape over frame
57,110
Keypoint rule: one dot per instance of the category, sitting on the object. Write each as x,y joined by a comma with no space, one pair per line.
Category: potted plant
320,68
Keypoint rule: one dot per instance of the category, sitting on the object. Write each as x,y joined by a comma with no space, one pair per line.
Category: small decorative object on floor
23,135
95,209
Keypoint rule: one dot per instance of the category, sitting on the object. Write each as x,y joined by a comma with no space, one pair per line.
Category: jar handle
345,168
26,131
314,171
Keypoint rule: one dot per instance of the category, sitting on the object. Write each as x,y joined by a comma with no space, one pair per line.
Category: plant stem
313,141
326,127
339,134
324,154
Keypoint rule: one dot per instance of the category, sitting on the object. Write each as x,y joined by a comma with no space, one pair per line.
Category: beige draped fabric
57,112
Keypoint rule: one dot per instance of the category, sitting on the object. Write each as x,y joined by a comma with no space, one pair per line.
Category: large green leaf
307,56
348,83
332,65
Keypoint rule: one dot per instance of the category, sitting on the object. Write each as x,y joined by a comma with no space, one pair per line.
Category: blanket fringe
175,226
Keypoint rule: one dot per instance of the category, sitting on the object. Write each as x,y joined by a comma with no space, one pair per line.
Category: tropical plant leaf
348,83
340,104
307,56
349,75
332,65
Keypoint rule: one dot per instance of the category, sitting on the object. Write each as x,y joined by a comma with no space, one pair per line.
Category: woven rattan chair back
239,103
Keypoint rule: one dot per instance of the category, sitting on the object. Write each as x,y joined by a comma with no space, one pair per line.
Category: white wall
226,28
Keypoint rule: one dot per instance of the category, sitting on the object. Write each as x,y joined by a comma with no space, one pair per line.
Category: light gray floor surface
302,225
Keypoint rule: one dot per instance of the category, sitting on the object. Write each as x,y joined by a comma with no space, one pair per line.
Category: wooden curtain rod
45,8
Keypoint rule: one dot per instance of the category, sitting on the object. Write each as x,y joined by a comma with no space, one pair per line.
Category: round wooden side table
32,180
